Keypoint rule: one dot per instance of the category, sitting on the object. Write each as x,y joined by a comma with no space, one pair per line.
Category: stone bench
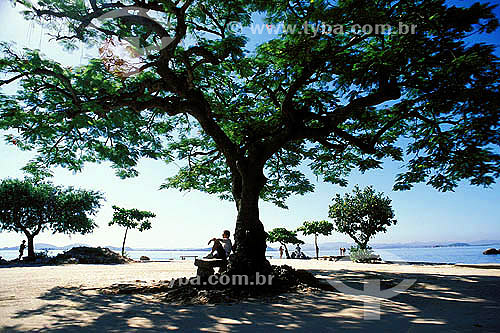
184,257
206,266
331,258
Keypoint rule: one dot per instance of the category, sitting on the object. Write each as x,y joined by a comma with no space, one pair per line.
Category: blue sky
190,219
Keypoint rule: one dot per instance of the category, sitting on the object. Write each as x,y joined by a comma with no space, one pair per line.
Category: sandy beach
444,298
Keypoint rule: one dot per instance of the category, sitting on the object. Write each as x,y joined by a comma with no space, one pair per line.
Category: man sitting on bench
222,247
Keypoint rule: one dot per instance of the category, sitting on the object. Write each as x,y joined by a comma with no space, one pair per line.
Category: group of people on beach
297,254
222,247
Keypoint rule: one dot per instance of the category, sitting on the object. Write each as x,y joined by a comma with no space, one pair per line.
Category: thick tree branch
64,80
12,79
309,69
202,112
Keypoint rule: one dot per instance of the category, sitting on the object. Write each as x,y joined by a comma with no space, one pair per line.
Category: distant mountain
44,246
68,247
453,245
334,246
38,246
119,249
41,246
433,244
8,248
159,249
328,246
485,242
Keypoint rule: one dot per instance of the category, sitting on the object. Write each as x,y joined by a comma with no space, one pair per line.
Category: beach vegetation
362,214
131,219
316,228
284,237
357,254
31,207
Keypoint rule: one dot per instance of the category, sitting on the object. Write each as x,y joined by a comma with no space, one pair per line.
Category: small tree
131,219
316,228
362,214
31,207
283,236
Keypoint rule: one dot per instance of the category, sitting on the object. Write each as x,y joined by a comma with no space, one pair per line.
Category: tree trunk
286,251
356,240
123,245
316,245
250,237
31,245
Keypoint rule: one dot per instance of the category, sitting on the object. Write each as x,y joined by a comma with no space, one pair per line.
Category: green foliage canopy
32,207
362,214
25,205
316,228
284,237
132,218
332,102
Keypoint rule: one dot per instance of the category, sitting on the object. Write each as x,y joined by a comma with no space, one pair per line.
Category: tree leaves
332,102
32,206
283,236
132,218
362,214
323,227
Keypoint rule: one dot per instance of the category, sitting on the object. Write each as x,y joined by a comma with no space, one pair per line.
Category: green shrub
360,255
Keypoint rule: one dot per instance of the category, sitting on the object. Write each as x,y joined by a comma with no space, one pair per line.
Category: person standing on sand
281,252
21,249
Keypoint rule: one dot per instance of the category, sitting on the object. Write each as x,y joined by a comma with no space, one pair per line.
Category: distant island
453,245
44,246
328,246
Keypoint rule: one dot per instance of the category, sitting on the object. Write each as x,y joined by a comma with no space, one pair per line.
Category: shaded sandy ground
65,299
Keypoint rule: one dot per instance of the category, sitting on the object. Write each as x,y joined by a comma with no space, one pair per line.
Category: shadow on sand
433,303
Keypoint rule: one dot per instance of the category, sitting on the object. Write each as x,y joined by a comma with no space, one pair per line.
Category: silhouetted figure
281,252
298,254
21,249
222,247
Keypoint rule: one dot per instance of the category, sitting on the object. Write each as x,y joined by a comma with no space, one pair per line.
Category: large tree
32,207
245,121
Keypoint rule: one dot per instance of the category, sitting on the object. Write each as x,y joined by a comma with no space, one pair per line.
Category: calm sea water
463,254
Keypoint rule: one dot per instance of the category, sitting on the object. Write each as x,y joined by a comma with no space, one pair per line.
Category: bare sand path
444,298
